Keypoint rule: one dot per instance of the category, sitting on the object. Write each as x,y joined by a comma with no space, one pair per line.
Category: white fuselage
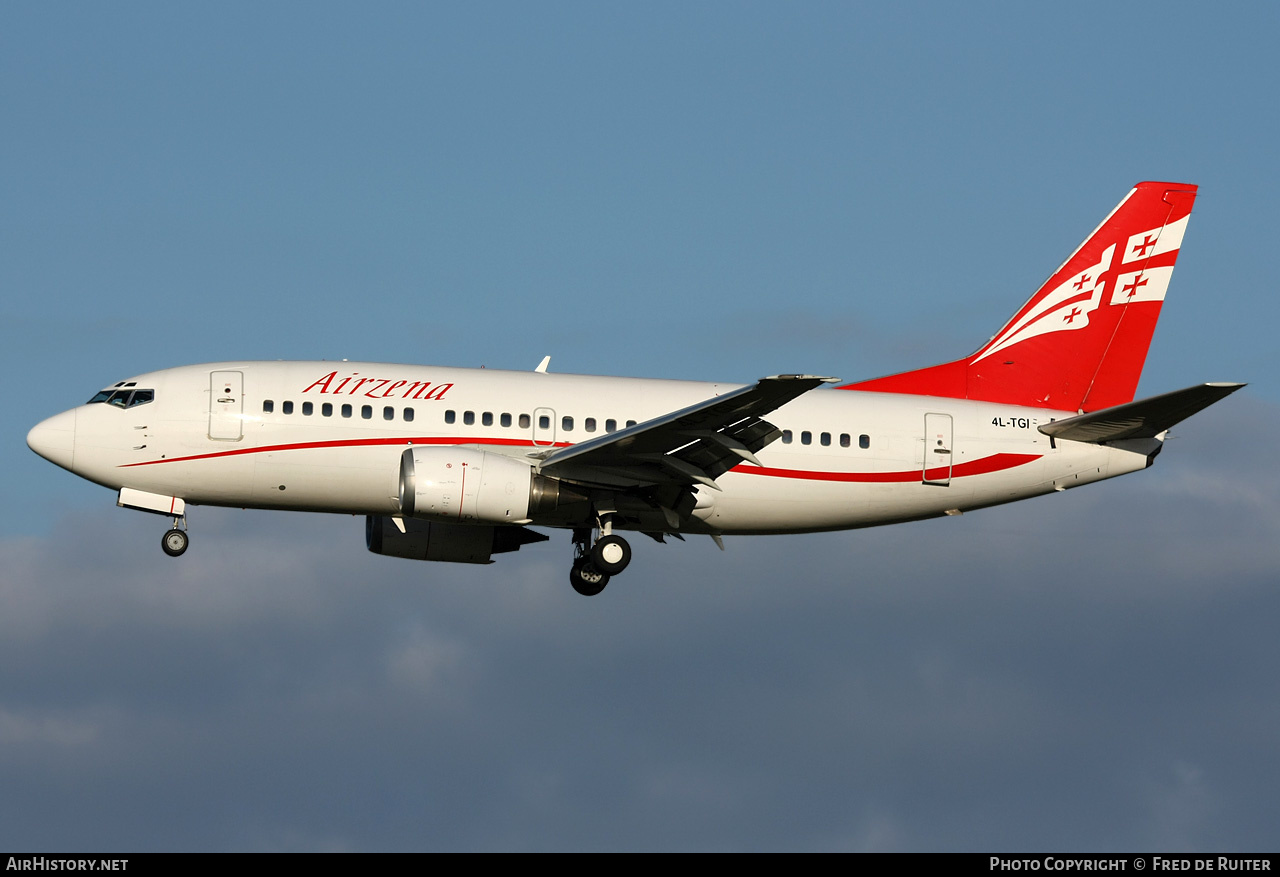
328,437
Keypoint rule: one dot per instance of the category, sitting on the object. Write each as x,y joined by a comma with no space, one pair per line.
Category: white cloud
960,683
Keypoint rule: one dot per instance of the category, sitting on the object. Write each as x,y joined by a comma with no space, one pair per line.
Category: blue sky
717,191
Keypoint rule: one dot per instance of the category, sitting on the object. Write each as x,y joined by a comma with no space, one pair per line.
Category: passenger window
366,412
346,410
844,439
408,415
450,416
268,406
468,417
825,439
286,407
589,424
524,421
786,436
388,413
566,423
864,441
544,422
630,423
487,418
806,438
306,409
611,425
505,420
327,409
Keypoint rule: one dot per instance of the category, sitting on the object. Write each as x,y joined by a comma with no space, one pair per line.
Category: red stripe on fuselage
343,443
981,466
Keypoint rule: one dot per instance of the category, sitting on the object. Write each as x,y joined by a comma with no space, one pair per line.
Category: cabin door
937,449
226,406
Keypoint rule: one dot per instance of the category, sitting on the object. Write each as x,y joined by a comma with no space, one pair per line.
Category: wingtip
801,378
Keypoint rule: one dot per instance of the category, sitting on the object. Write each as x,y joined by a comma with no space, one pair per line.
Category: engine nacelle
432,540
460,485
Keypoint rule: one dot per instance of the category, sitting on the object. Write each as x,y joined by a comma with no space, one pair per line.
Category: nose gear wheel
174,542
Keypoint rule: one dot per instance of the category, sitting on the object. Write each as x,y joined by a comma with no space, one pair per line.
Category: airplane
456,464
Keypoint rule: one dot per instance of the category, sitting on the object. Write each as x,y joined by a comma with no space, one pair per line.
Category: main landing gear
174,542
594,564
586,579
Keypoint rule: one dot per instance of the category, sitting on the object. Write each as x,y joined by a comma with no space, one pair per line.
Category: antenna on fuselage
542,366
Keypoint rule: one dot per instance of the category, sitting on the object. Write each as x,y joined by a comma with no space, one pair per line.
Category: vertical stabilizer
1080,342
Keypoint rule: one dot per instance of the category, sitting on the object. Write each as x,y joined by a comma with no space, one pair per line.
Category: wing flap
694,445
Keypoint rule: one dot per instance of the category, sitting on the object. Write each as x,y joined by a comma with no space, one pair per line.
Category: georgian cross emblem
1079,284
1131,289
1147,243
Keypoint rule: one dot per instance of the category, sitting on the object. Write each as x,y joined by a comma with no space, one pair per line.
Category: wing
695,445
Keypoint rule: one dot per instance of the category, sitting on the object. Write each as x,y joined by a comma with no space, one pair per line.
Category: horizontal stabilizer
1145,418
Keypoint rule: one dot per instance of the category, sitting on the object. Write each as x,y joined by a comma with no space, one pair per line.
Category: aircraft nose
55,439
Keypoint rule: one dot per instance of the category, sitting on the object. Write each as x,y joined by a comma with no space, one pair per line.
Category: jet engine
461,485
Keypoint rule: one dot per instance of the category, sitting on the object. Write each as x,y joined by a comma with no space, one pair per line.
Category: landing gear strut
594,564
174,542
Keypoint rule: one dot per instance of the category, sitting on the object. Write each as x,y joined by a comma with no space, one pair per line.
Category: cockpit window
124,398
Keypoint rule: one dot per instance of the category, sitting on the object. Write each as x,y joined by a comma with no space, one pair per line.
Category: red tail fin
1081,341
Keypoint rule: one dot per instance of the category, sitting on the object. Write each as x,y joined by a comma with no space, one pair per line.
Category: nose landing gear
174,542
